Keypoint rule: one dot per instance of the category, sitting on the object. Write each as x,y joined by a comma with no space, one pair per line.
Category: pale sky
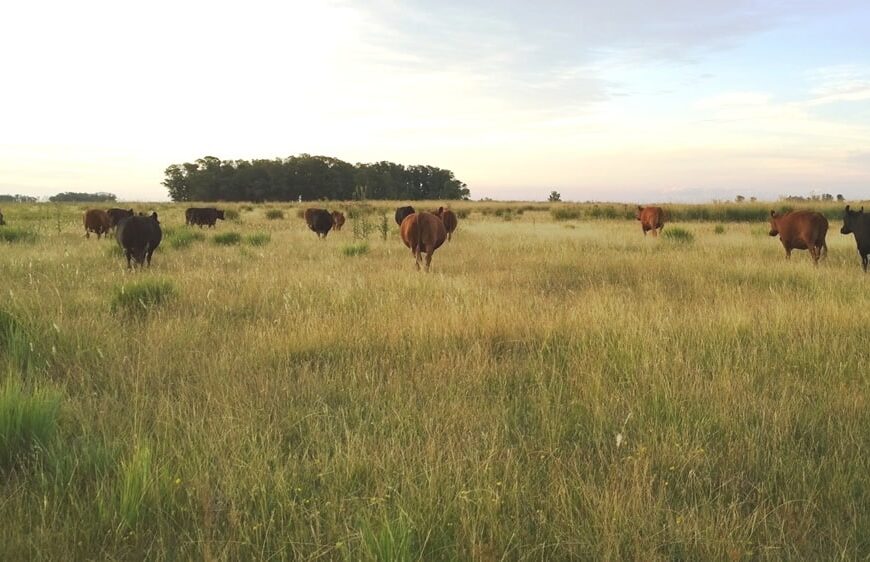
680,100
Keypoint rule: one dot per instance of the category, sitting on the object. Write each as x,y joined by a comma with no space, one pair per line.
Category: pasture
558,388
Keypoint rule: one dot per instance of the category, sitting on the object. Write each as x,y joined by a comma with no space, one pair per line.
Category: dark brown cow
203,216
801,230
651,218
423,233
403,212
319,220
449,219
97,221
138,237
337,220
2,222
857,223
115,216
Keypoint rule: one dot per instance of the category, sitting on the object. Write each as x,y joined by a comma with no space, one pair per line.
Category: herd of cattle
423,233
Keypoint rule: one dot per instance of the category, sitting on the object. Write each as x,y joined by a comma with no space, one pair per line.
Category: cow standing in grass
2,222
423,233
449,219
857,223
319,221
801,230
139,236
96,221
403,212
651,218
337,220
203,216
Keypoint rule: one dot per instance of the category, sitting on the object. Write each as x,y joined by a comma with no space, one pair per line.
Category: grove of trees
71,196
308,177
17,199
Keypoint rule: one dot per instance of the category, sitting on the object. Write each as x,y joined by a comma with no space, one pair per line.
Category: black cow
403,212
115,216
857,223
204,216
139,236
319,220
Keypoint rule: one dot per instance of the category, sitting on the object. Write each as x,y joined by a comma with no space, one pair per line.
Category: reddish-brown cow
449,219
423,233
651,218
337,220
96,221
801,230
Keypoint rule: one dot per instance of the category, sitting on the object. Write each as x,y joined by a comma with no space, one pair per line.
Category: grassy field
554,390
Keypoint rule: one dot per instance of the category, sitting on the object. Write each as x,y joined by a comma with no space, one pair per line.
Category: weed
227,239
258,238
14,234
144,294
355,249
277,214
677,234
183,238
28,419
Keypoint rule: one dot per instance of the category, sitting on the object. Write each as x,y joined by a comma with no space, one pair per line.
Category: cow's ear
639,208
154,216
847,208
772,213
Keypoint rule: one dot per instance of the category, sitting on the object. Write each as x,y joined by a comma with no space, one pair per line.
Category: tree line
72,196
308,177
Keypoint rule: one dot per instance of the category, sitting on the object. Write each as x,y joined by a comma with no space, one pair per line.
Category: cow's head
850,220
638,212
154,217
220,215
774,230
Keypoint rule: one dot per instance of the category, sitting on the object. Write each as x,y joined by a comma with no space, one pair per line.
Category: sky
625,100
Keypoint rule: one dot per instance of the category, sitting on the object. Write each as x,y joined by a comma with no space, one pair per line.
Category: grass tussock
231,215
678,234
142,295
258,238
13,235
566,213
227,239
355,249
28,419
183,238
719,229
275,214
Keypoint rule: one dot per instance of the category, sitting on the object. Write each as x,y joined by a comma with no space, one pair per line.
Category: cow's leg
417,258
429,251
129,255
864,259
87,233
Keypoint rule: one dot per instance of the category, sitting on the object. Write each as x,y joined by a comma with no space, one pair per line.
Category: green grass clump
231,214
28,419
566,213
183,238
258,238
227,239
14,234
677,234
719,229
276,214
144,294
355,249
138,486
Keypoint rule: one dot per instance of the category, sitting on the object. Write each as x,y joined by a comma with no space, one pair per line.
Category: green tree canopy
309,177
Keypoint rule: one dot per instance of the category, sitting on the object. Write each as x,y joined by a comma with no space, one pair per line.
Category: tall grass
275,214
183,238
227,239
28,419
13,235
142,295
547,393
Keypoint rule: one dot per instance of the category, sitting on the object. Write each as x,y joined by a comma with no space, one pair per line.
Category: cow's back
652,217
803,229
423,230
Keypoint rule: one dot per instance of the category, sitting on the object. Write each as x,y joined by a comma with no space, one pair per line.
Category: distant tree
753,199
827,197
554,197
71,196
740,199
18,199
840,197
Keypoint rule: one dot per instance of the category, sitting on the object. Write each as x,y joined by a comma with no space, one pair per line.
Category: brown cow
449,219
337,220
651,218
423,233
801,230
97,221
